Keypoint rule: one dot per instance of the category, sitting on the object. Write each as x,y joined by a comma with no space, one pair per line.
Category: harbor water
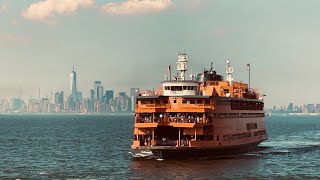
98,147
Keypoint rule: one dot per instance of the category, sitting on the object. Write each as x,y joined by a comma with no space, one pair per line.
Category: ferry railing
174,120
189,120
147,106
186,106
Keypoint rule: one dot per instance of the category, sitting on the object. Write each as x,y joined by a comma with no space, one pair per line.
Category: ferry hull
203,152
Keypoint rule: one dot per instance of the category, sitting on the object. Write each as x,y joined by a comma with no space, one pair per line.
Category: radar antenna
229,71
182,65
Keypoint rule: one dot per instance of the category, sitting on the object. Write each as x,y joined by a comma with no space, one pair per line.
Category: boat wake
142,154
293,144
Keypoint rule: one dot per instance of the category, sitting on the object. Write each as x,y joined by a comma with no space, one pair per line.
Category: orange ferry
202,117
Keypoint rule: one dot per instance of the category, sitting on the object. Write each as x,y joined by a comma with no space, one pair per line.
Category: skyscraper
98,90
108,95
73,85
134,92
91,107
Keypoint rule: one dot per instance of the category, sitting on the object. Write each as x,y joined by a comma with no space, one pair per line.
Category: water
97,147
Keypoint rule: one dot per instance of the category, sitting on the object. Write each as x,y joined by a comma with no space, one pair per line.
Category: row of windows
237,115
258,133
180,88
236,136
158,101
251,126
223,103
184,101
195,101
246,105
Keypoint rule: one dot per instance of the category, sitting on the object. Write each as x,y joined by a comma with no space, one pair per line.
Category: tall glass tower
73,85
98,89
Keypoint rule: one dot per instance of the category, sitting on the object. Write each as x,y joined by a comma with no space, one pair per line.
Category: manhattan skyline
126,48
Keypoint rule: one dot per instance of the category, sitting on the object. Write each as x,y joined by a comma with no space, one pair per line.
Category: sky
129,43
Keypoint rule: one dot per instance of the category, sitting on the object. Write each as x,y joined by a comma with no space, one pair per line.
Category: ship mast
229,71
182,65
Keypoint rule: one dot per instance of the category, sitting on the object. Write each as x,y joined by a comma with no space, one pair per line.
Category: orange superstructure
202,117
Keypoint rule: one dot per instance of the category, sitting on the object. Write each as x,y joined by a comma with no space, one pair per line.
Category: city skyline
98,102
126,48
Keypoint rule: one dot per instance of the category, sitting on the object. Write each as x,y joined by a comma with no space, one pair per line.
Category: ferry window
165,101
176,88
143,102
149,102
167,87
217,138
157,101
185,87
184,101
189,87
174,101
199,101
207,101
192,101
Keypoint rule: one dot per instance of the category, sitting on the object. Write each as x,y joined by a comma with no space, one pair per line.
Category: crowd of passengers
145,140
179,117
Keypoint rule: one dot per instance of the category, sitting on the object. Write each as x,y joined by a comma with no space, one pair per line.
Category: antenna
229,71
211,66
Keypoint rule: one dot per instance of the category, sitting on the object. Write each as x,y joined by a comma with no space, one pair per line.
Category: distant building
98,90
133,103
79,96
91,106
134,92
33,106
58,101
73,85
290,107
85,106
311,108
44,105
71,105
108,95
4,105
15,104
122,94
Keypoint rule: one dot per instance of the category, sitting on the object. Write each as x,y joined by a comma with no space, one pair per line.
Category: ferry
203,116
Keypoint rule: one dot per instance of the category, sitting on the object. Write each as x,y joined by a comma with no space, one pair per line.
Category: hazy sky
129,43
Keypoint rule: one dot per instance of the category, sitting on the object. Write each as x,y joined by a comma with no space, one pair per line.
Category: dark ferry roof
201,97
186,96
192,81
232,98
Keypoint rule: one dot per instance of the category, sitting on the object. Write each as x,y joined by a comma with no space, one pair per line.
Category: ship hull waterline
187,153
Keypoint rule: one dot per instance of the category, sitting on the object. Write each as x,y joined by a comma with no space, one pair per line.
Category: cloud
4,7
44,11
14,39
136,7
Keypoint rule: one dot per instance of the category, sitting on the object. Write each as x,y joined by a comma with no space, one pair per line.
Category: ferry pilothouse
202,117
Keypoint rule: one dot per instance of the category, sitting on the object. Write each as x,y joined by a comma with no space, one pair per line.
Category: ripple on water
96,147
